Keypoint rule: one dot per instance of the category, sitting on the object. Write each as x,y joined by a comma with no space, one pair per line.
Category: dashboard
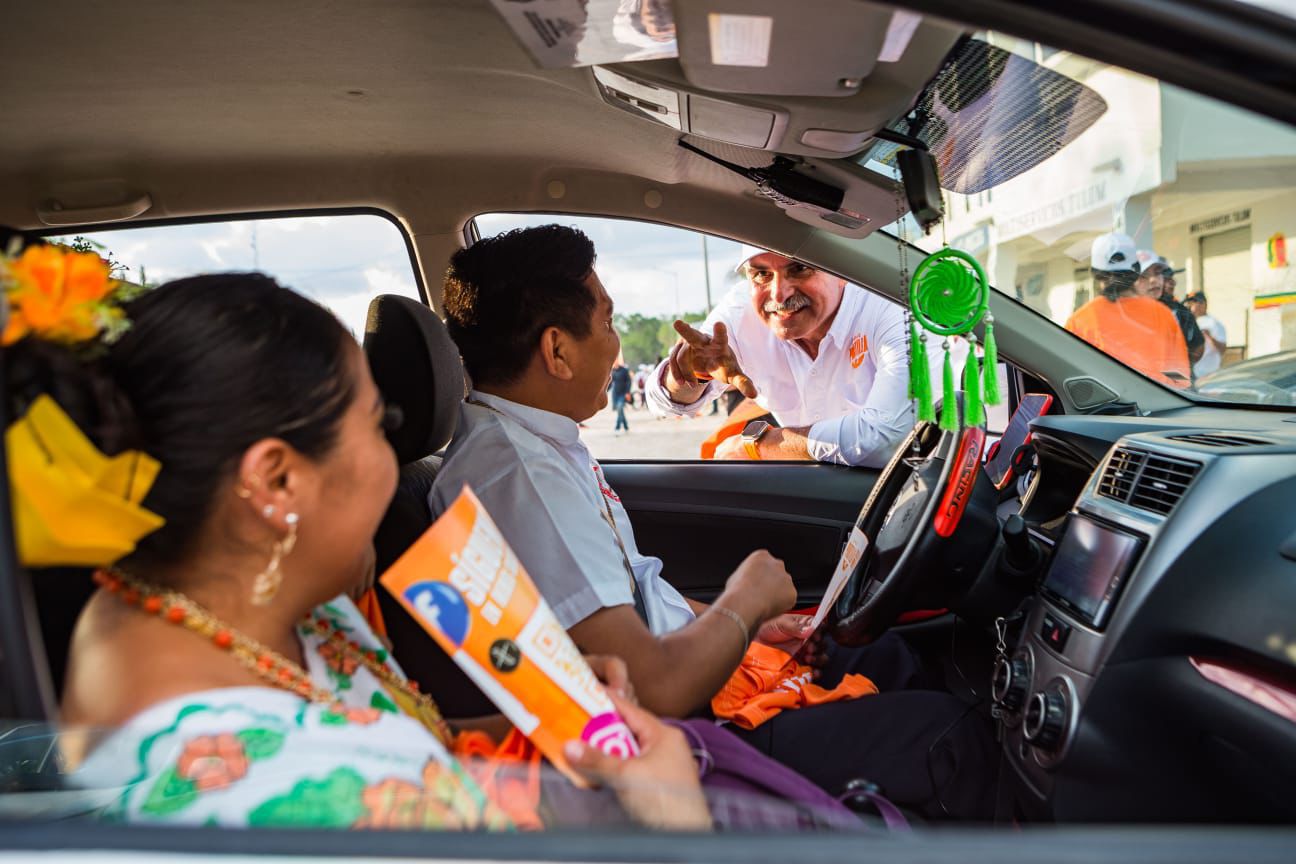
1154,678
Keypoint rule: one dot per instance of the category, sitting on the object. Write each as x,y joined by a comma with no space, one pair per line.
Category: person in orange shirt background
1125,321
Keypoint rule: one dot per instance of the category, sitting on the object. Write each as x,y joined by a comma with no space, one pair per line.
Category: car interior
1122,607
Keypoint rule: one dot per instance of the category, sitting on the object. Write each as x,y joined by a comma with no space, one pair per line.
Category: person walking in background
637,393
1212,329
620,385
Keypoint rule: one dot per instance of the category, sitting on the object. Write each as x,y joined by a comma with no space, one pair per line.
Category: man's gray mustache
795,303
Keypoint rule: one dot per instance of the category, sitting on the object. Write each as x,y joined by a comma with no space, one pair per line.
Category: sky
343,261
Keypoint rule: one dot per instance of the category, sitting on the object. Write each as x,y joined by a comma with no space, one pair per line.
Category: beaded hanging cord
949,296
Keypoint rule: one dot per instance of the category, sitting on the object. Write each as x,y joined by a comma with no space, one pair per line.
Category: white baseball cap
1147,259
1114,252
747,253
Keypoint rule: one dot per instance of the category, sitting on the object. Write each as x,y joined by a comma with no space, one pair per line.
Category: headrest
416,366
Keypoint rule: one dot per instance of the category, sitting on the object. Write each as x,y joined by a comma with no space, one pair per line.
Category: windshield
1164,196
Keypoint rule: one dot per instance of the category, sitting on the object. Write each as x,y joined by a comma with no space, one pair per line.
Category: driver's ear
556,350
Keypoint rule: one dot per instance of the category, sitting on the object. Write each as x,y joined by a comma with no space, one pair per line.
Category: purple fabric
747,789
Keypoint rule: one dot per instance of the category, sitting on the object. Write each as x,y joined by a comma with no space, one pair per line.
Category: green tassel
949,420
991,366
915,345
973,412
920,376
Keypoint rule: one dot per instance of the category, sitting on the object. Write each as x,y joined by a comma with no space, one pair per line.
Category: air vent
1221,439
1148,481
1122,470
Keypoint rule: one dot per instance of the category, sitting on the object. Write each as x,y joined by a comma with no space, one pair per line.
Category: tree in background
118,270
645,339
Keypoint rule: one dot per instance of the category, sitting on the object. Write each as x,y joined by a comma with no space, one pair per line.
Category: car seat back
417,368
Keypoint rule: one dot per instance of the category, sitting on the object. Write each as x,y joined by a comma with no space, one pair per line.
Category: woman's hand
660,786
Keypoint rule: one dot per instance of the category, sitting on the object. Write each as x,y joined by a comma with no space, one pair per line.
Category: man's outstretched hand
711,356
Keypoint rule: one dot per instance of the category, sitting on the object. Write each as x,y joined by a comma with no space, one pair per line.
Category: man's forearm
676,675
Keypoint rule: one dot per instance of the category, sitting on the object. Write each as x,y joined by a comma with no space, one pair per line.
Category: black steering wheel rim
909,519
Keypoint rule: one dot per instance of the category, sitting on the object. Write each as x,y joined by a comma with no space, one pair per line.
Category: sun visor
777,48
990,115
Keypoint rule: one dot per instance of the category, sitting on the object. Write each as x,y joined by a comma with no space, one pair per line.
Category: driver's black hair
209,366
502,292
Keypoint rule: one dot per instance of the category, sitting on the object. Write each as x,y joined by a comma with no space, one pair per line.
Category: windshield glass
1158,232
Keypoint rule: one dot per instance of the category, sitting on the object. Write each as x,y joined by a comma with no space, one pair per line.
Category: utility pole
706,272
256,251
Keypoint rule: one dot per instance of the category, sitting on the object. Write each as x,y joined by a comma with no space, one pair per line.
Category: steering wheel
926,545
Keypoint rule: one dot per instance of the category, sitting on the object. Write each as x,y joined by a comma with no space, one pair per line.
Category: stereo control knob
1011,680
1046,718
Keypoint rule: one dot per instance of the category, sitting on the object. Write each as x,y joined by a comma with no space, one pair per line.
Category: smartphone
999,462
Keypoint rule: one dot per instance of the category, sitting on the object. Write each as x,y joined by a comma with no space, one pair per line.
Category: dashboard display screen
1089,567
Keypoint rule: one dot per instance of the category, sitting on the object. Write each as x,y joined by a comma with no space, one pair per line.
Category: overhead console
804,79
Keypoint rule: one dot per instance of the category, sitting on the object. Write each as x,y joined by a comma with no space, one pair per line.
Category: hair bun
83,389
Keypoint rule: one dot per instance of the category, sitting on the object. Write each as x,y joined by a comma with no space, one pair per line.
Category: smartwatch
751,434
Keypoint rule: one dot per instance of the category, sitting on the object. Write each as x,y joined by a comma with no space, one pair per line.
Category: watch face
755,429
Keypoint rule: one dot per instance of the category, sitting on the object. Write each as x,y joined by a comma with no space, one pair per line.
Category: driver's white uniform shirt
550,500
853,395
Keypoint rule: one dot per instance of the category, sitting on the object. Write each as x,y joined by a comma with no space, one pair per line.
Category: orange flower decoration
362,716
58,294
337,660
441,802
213,761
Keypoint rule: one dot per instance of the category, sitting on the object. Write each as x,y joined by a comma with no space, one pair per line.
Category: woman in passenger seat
239,683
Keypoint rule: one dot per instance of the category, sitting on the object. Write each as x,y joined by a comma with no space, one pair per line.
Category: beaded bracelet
739,623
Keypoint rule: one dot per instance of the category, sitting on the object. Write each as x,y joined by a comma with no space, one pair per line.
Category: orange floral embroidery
337,660
401,804
363,716
213,761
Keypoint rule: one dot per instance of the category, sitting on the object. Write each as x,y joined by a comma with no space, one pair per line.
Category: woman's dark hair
209,366
502,292
1114,284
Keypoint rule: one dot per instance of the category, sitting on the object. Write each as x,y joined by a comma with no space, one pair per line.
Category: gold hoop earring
267,582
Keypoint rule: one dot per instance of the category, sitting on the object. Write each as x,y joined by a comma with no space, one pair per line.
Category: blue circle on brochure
441,606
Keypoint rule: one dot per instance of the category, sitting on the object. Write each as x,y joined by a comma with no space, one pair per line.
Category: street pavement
649,437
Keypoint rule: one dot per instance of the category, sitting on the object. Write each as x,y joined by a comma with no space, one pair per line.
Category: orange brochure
463,583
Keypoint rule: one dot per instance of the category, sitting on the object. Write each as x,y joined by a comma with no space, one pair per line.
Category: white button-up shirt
853,395
550,500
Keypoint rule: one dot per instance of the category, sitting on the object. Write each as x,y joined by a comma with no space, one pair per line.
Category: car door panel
703,518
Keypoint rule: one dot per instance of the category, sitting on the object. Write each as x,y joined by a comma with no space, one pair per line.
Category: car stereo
1090,567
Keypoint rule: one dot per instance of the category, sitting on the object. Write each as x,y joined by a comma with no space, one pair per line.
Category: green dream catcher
948,296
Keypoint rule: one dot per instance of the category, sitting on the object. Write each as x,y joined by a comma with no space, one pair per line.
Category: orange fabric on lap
769,681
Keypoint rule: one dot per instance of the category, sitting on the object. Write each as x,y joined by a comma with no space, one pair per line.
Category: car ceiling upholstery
431,111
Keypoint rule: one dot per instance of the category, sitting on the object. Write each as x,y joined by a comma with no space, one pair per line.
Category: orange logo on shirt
858,348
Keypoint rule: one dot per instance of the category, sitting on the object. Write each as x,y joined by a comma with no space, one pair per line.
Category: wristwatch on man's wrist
751,435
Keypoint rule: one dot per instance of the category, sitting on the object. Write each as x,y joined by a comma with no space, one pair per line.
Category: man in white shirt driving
534,327
828,359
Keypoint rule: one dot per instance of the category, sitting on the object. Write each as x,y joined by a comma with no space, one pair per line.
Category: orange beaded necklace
268,664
